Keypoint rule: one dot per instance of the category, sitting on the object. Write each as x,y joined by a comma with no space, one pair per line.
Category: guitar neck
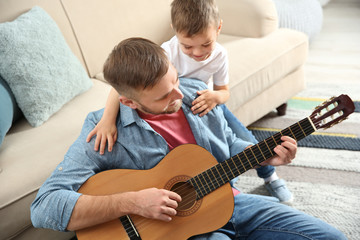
220,174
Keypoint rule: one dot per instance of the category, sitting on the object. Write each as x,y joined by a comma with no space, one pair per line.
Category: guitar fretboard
220,174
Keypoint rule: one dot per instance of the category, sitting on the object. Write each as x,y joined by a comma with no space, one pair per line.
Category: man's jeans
261,217
242,132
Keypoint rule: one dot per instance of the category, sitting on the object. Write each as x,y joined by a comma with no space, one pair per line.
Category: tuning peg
334,123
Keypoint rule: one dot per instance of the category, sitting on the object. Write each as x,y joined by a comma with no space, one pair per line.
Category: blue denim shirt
138,146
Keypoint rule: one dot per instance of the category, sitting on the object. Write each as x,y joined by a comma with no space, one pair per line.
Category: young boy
195,53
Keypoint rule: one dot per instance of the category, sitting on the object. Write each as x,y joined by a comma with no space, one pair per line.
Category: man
154,117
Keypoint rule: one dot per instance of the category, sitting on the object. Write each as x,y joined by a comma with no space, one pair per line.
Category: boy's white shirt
213,70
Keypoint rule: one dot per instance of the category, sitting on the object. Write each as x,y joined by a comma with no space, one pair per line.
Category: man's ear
128,102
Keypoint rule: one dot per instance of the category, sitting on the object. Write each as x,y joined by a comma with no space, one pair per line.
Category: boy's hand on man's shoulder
204,103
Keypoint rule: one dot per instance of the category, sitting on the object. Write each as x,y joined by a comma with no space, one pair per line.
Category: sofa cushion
9,110
38,65
258,63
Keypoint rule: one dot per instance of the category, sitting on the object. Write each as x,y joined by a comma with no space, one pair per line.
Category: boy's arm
208,99
106,129
222,93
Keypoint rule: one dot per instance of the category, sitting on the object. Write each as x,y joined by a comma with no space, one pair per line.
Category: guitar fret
223,174
292,134
274,140
210,181
200,186
226,174
206,185
287,132
242,164
302,129
215,177
284,132
310,128
247,157
234,167
265,141
260,152
255,156
220,174
232,174
245,163
191,181
299,130
199,194
263,149
272,146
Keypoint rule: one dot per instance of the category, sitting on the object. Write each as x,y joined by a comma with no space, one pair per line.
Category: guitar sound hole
187,193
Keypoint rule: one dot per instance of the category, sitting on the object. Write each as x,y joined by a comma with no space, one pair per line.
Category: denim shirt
138,146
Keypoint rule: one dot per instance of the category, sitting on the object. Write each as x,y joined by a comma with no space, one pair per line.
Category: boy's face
200,46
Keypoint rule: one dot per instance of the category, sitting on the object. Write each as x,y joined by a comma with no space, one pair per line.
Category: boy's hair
135,63
191,17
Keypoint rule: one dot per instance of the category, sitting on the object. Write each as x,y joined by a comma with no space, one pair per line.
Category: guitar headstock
332,111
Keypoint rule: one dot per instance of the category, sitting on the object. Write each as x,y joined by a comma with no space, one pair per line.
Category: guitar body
194,216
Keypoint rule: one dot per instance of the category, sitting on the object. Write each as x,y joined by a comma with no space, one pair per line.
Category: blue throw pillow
39,66
9,110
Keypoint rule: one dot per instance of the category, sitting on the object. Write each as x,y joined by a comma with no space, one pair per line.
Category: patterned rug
344,136
334,204
325,176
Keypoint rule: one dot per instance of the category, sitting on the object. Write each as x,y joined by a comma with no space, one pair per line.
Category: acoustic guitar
203,183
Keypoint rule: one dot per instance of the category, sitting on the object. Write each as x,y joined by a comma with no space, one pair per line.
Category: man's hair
191,17
135,63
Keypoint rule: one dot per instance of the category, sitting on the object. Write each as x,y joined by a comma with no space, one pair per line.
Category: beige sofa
266,69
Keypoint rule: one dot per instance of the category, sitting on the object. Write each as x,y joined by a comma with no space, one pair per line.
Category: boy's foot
279,190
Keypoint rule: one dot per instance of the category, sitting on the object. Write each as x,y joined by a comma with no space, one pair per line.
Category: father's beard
171,108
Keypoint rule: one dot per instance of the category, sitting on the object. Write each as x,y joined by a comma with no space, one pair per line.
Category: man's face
200,46
164,97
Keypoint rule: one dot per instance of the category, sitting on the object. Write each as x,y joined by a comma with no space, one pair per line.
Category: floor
334,54
334,57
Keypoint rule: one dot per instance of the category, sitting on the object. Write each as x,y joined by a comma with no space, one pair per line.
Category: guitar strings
144,223
258,155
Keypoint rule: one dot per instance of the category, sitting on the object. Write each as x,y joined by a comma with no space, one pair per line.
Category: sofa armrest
248,18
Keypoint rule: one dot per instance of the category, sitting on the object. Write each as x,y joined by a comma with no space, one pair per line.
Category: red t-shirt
174,127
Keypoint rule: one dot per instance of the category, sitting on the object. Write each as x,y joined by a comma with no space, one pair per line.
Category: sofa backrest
11,9
93,27
100,25
248,18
